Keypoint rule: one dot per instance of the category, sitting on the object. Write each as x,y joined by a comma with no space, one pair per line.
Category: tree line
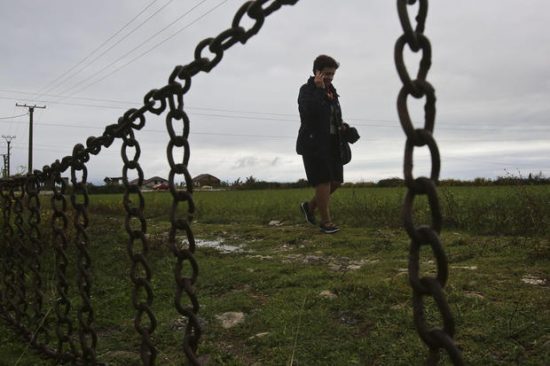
531,179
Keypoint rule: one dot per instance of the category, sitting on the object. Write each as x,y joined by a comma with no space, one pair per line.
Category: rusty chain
80,201
140,273
438,338
59,226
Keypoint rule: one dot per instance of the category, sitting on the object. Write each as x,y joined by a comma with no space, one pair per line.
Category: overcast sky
90,61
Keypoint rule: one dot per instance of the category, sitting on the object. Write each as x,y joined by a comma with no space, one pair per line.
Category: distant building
206,180
151,182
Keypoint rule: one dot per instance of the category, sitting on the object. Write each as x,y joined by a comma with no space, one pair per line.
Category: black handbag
345,152
348,136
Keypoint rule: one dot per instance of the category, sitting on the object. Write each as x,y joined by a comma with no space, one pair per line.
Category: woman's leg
321,201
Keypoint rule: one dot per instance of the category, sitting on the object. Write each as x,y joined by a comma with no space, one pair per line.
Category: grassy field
314,299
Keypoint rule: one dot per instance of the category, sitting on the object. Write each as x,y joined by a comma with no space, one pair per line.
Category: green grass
277,279
498,210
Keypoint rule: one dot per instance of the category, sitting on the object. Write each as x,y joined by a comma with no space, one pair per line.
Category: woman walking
319,140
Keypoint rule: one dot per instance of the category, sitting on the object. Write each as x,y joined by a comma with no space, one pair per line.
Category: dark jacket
314,107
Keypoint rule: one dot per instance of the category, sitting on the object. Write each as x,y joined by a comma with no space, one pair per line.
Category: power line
128,103
139,45
19,115
112,46
142,54
296,121
66,103
62,96
206,133
41,92
456,126
394,123
133,49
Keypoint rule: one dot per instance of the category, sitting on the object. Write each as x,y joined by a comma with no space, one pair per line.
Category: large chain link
59,226
140,273
80,201
438,338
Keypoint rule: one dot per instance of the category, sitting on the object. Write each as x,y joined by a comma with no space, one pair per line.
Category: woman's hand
344,127
319,79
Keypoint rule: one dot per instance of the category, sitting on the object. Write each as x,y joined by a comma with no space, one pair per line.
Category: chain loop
426,90
237,19
424,137
428,186
425,63
150,99
427,237
410,34
434,290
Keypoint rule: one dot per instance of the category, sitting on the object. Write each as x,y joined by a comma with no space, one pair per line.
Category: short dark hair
323,61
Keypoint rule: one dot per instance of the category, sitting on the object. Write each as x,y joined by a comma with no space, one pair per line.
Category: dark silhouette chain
438,338
20,254
40,335
65,350
80,201
140,273
9,290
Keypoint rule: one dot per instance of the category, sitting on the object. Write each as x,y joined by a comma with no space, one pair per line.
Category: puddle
218,245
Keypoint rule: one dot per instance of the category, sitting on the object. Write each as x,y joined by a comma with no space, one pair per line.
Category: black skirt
322,169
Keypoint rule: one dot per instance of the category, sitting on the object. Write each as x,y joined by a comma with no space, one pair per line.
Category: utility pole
7,162
31,111
5,169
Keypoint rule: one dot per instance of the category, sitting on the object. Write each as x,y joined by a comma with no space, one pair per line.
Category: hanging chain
40,321
172,94
140,273
438,338
9,291
184,284
80,201
59,226
20,253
